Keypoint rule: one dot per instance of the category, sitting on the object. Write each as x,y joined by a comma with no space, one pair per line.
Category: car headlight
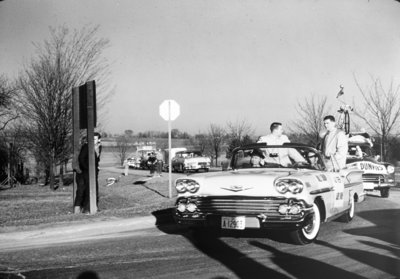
390,169
187,185
192,186
291,185
181,207
281,187
180,187
191,207
290,209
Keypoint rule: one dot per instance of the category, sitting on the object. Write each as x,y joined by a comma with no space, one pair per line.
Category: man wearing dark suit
82,199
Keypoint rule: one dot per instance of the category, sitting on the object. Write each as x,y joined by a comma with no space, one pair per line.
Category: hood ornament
236,188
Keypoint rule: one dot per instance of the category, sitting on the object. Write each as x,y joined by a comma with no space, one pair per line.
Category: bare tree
238,133
7,98
199,141
66,60
14,139
239,129
381,109
128,133
217,137
310,118
123,148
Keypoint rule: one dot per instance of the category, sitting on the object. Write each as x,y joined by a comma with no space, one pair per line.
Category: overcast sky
220,60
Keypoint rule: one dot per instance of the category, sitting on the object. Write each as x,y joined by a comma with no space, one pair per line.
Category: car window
277,156
359,151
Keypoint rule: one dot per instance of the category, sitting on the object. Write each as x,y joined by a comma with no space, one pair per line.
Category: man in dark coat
151,162
82,199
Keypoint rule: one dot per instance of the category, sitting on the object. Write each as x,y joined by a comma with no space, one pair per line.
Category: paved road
368,247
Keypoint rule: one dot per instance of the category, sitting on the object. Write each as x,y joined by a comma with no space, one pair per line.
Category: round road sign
169,110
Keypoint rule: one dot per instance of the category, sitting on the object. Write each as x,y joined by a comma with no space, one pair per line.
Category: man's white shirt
283,154
274,140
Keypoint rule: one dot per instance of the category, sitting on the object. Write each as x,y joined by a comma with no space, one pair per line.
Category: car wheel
181,169
309,232
385,192
350,213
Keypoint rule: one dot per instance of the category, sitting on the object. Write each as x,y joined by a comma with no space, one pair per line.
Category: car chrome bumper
199,167
373,186
259,212
252,222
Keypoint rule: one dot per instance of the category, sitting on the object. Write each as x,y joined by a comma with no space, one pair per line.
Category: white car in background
190,161
133,162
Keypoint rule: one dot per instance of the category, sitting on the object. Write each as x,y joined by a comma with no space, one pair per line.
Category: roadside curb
74,232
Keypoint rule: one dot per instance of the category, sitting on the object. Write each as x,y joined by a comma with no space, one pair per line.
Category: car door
338,195
176,161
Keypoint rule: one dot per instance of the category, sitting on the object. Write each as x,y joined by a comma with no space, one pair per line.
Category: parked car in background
173,152
144,157
377,175
133,162
282,187
190,160
139,159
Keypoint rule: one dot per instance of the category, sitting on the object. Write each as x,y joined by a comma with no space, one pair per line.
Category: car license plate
233,223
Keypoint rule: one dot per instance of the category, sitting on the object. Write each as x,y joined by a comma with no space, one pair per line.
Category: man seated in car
257,158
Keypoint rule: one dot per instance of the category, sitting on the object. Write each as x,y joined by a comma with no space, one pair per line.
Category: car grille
373,178
240,205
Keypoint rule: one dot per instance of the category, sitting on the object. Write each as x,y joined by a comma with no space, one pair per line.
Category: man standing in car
334,145
276,137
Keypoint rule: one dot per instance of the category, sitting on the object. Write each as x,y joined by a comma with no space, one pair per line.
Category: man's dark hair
96,134
329,117
257,152
274,126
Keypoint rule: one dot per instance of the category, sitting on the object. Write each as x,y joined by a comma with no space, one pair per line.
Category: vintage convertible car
269,187
188,160
377,175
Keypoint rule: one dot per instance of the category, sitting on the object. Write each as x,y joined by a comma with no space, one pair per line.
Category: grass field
35,205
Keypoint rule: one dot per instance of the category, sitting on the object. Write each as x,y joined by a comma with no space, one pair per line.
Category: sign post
84,117
169,111
91,91
75,137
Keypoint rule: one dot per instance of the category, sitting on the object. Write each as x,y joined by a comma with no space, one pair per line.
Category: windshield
359,151
189,154
277,157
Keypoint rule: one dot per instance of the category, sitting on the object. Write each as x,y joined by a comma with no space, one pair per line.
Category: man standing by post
160,162
82,193
276,137
151,162
334,145
80,183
